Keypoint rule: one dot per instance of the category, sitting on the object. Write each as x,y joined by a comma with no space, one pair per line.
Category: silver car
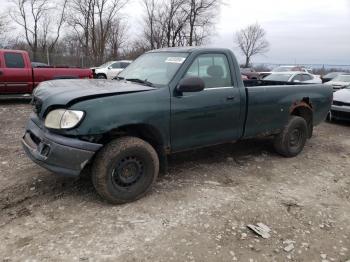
340,82
341,105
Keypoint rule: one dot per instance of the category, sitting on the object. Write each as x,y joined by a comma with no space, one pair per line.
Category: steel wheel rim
127,172
295,138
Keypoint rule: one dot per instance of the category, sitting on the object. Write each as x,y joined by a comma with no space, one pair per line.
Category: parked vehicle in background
250,73
110,69
17,76
244,77
341,105
292,69
39,64
339,82
167,101
330,76
281,69
294,77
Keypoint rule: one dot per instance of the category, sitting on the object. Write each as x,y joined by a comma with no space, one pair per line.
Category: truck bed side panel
269,107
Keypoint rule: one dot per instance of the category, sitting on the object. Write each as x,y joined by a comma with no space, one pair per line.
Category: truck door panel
17,74
2,75
210,116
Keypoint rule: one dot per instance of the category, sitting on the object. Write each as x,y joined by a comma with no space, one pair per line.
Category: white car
294,77
340,82
110,69
283,69
292,69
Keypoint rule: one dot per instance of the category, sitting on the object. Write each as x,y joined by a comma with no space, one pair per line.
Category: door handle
1,73
230,98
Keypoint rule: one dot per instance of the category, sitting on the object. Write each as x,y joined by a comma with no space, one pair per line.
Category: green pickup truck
167,101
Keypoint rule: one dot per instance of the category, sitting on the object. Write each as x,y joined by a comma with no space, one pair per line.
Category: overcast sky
299,31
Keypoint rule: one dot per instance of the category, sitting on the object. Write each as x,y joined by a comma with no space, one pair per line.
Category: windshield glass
278,77
342,78
106,64
156,68
331,75
282,69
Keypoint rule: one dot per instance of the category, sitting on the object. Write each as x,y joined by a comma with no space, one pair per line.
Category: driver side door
114,69
210,116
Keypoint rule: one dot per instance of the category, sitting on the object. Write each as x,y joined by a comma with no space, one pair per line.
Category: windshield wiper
136,80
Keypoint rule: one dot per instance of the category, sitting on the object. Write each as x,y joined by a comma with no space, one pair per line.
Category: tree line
98,29
90,32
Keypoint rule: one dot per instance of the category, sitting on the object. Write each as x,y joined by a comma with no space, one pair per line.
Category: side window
213,69
116,66
124,64
307,77
297,77
14,60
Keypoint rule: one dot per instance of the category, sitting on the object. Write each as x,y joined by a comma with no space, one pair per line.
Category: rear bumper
340,112
59,154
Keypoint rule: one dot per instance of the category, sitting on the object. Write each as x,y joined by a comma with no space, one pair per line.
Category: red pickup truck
17,76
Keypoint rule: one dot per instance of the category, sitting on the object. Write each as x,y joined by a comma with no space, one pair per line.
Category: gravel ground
199,211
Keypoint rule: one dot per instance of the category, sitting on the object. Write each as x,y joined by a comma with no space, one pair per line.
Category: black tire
291,141
329,117
101,76
125,169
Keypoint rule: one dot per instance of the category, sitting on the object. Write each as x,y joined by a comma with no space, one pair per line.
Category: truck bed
268,106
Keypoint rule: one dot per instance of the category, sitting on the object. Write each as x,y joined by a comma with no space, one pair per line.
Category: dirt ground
199,211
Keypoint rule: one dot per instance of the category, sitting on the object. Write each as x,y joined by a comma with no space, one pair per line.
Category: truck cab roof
189,49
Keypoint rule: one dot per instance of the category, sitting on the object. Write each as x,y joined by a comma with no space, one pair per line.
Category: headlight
63,119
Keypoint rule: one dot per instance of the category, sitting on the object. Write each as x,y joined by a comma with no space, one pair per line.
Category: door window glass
124,64
14,60
297,77
307,77
116,66
213,69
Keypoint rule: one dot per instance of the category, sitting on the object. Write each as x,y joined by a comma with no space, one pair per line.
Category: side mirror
109,68
190,84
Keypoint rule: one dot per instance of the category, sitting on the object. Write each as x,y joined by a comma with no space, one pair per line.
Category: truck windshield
156,68
279,77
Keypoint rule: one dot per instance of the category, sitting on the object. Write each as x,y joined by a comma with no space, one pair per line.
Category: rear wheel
291,141
125,169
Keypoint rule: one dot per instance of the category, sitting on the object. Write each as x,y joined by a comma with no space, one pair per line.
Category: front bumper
59,154
340,112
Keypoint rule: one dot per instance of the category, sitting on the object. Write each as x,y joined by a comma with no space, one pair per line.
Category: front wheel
125,169
291,141
101,76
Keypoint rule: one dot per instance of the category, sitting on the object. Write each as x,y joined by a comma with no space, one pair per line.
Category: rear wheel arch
304,110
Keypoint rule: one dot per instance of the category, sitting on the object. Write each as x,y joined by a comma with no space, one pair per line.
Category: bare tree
178,22
252,41
4,27
117,37
202,14
98,25
36,19
150,21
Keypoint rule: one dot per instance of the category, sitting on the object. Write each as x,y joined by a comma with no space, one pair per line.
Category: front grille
338,103
37,105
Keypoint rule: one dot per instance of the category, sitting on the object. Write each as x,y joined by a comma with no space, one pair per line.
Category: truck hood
61,93
342,95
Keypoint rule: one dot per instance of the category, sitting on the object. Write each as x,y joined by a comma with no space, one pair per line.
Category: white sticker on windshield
176,60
